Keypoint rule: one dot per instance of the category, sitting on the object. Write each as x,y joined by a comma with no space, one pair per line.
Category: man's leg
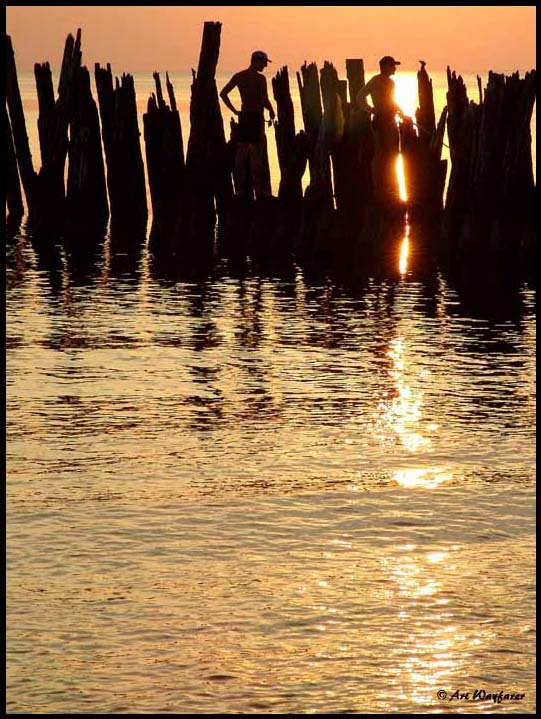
384,165
260,168
242,177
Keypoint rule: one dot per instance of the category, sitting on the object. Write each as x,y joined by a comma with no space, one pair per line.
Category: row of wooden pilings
342,214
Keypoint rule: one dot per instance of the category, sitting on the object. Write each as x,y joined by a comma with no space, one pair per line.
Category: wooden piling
120,133
318,208
86,194
18,127
209,177
53,123
291,147
490,202
165,166
353,162
312,113
424,170
14,198
355,75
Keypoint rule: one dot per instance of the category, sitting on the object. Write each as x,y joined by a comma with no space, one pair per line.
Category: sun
405,93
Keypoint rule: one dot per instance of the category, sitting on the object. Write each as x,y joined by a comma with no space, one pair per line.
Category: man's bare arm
224,94
361,98
397,108
267,104
270,108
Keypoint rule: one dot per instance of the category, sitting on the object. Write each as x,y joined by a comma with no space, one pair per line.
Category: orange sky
141,39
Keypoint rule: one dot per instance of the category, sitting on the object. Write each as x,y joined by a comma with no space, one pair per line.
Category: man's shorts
251,127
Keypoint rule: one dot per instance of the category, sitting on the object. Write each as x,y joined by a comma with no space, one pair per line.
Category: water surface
254,493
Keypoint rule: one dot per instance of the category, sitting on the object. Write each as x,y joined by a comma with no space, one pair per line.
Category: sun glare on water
404,250
401,178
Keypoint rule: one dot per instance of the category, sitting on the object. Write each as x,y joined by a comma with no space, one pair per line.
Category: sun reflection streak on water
402,417
404,250
402,190
428,655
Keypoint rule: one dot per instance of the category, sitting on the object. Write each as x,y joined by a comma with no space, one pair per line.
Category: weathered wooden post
353,156
489,209
292,149
318,198
18,127
208,172
461,121
332,128
165,166
86,194
14,198
120,132
312,112
355,75
424,169
292,157
53,122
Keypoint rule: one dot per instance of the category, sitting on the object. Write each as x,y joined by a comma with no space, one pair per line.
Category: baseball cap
260,55
389,60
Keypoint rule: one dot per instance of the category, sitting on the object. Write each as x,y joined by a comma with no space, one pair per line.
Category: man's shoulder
242,74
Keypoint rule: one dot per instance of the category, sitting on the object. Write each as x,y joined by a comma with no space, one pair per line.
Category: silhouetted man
380,88
252,142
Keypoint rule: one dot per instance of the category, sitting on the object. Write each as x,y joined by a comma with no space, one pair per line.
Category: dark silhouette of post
208,174
120,133
14,198
86,193
18,127
165,166
292,149
490,207
53,123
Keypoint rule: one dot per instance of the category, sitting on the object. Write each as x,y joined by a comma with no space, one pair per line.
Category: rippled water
265,494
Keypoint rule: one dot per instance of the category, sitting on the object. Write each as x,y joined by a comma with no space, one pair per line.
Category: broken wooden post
209,177
425,114
332,129
292,149
353,157
53,122
424,169
122,146
355,75
165,166
14,198
461,117
490,204
86,194
18,127
318,197
312,113
233,234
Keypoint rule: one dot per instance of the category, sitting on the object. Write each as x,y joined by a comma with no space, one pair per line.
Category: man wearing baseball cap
251,139
380,88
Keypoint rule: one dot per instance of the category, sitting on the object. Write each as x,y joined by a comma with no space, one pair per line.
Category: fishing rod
420,127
